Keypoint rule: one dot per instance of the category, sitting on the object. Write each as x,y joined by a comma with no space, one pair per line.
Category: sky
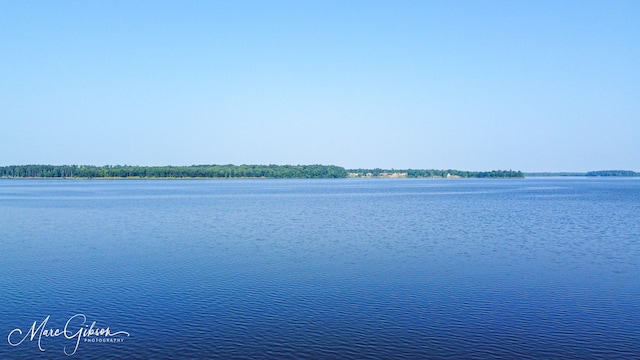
470,85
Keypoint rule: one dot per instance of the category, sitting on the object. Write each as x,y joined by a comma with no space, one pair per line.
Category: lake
320,269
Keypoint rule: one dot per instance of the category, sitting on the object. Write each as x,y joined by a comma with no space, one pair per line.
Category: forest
613,173
421,173
234,171
193,171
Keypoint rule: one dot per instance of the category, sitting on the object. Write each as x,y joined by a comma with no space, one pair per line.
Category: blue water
322,269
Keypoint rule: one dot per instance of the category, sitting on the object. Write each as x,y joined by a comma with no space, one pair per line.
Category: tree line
193,171
423,173
613,173
233,171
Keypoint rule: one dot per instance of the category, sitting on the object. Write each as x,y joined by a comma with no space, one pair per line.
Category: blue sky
470,85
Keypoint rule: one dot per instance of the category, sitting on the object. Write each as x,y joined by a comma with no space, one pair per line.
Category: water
321,269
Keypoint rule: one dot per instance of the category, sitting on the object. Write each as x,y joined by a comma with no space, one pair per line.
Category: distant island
235,171
613,173
618,173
